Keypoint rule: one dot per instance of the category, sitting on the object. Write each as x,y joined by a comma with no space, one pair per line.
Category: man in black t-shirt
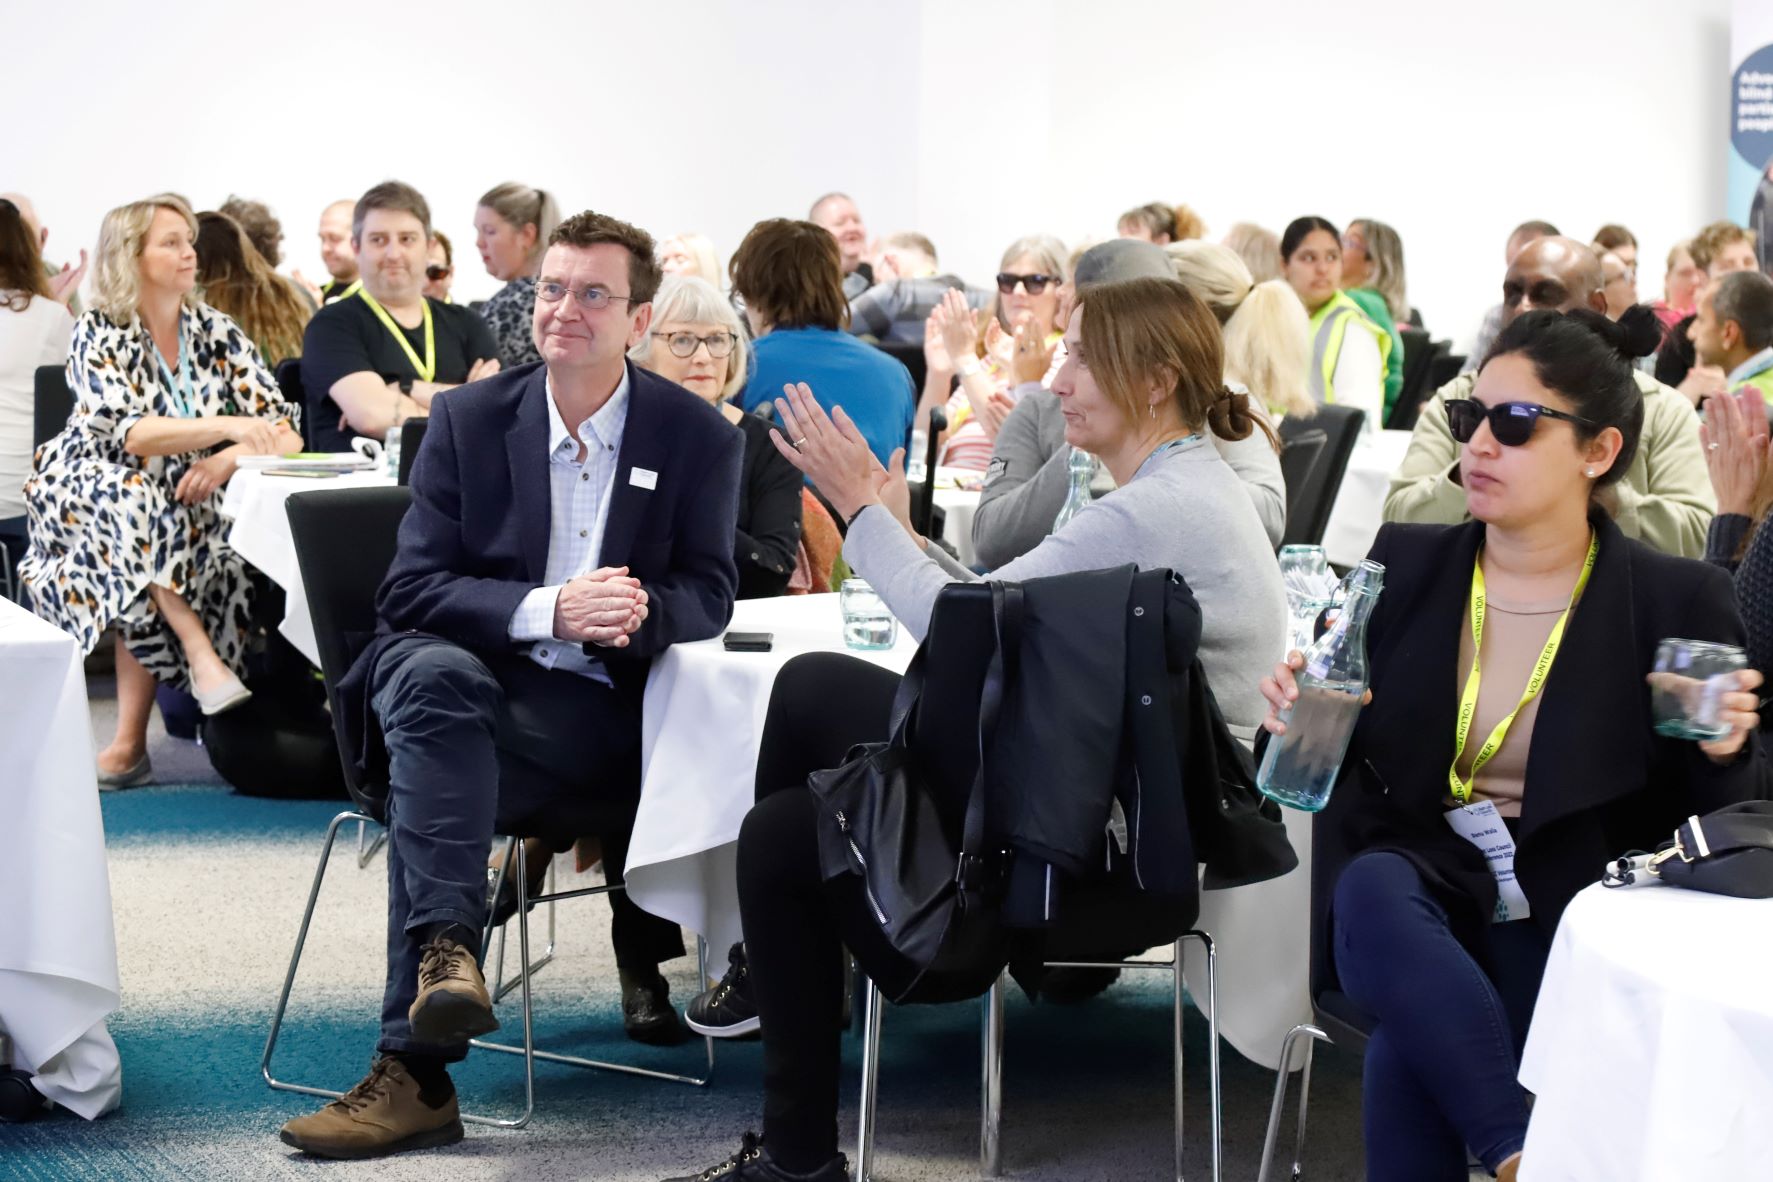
372,360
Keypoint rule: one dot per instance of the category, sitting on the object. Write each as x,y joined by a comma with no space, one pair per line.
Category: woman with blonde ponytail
1267,334
511,228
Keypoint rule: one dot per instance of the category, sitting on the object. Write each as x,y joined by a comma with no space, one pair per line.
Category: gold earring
1154,410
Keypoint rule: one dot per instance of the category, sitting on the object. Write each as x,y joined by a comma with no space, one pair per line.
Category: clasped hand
604,607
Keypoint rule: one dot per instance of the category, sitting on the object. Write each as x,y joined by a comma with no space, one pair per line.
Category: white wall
973,121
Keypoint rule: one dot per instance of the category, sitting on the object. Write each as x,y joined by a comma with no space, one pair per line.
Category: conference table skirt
58,950
702,725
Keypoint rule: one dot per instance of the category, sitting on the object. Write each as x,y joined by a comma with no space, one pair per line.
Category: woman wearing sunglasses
1466,730
1019,338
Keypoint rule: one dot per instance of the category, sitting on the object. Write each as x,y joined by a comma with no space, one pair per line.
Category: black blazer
475,540
1599,781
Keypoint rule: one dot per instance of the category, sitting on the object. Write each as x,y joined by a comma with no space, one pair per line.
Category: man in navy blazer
569,521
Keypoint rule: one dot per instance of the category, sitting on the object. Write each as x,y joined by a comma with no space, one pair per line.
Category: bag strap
1737,828
1006,617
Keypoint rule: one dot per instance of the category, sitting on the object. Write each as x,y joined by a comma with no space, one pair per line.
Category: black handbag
1727,852
930,880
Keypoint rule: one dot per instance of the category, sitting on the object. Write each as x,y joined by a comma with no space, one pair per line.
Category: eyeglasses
683,344
435,273
1034,284
592,299
1511,423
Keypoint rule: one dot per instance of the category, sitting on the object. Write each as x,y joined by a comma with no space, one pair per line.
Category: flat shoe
139,772
224,697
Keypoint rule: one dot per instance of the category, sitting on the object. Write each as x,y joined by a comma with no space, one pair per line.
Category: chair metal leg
1313,1035
990,1146
871,1013
1215,1081
295,960
365,854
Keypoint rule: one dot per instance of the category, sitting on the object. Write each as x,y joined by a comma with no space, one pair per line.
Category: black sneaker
752,1164
726,1011
1069,987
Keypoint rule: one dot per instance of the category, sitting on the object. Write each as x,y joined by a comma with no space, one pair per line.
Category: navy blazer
475,540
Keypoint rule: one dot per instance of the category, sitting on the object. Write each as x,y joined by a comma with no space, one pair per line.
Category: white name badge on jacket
643,478
1482,826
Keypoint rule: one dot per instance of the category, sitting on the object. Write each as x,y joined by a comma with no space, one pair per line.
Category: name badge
643,478
1482,826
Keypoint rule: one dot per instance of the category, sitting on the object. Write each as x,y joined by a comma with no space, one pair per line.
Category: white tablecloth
1355,519
260,535
700,728
959,506
58,952
1651,1051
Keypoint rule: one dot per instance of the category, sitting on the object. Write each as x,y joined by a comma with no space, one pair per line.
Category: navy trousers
1441,1064
479,745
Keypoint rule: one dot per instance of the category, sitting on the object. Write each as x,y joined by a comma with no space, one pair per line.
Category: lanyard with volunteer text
1461,787
182,388
426,369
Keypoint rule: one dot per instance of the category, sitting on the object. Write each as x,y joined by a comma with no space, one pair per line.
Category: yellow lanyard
356,286
426,369
1541,669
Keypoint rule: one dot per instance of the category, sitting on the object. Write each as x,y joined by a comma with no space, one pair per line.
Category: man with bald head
336,251
1665,499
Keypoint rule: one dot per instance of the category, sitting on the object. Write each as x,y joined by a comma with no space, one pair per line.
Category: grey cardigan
1028,481
1184,511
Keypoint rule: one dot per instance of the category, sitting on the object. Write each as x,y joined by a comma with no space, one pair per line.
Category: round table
1651,1050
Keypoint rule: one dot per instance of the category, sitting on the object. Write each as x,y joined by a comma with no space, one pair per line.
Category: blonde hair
1258,248
523,206
697,301
1385,265
116,268
1267,335
699,248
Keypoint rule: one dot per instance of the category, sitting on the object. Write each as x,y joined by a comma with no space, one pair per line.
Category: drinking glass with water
1300,767
867,621
1687,686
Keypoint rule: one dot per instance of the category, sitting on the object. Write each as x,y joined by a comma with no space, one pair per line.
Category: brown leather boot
383,1114
453,1005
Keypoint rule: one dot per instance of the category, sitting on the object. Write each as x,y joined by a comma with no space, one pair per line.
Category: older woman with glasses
1021,334
696,341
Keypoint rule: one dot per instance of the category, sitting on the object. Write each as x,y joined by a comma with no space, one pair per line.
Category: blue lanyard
183,390
1161,448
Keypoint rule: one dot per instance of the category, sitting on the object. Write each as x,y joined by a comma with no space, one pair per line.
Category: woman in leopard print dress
511,228
123,503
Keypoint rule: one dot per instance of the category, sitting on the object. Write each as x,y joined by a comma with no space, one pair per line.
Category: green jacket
1665,499
1379,312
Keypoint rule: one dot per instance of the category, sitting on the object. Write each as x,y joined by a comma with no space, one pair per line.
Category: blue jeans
1441,1063
483,745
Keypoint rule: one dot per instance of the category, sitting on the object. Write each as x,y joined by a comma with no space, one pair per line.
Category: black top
1600,781
768,538
1754,584
346,337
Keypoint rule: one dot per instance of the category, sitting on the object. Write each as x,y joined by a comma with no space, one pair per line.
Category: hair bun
1229,416
1637,333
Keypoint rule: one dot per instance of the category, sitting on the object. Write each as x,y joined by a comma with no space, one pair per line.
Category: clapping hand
954,324
1736,450
603,607
1703,382
1031,356
65,282
828,449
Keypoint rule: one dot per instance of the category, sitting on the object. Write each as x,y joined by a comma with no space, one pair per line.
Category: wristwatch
406,386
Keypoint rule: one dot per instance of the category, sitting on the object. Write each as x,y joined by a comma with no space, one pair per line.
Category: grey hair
696,301
1747,298
1385,264
1049,255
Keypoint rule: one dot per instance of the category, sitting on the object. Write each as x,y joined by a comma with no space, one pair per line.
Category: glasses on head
683,344
592,299
1511,423
1033,284
436,272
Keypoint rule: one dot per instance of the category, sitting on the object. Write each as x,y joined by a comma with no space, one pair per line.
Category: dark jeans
1441,1064
796,925
478,746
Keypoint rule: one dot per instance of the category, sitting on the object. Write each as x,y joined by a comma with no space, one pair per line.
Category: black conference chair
1299,457
911,356
1335,1019
945,733
1443,369
345,540
53,403
1419,354
1341,426
412,434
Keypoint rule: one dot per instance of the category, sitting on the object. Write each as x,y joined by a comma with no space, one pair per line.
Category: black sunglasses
435,272
1511,423
1035,284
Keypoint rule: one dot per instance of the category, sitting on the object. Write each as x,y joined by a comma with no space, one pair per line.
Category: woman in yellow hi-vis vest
1348,350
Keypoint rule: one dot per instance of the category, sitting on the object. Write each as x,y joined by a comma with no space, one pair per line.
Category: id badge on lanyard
1483,827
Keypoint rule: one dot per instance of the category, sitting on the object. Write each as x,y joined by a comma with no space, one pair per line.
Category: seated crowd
628,437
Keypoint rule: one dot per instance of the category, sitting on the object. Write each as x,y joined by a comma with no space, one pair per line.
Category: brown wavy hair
21,262
237,280
791,273
1144,329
